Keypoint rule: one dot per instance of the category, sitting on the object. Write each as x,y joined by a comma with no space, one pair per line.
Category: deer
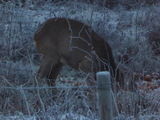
64,41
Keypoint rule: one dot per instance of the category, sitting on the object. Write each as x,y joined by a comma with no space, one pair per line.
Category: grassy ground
126,31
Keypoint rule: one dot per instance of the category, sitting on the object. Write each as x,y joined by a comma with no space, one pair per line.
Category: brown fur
64,41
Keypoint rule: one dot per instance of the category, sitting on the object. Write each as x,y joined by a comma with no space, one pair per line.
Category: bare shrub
18,61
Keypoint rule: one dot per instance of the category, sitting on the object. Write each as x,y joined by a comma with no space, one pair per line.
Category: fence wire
47,87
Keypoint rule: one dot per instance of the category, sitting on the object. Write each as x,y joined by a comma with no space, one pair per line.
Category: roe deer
64,41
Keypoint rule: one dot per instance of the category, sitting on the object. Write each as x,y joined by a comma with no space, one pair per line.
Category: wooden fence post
105,96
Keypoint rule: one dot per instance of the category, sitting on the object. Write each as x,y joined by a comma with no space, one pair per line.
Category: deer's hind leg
47,63
54,74
49,69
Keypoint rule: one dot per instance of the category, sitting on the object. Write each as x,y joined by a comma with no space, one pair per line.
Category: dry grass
19,62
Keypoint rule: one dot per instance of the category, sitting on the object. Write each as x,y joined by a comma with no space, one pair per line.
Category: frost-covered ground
124,30
72,116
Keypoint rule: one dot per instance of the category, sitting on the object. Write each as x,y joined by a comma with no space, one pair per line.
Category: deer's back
71,40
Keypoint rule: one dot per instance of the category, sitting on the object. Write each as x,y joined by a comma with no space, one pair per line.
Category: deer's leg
47,63
88,67
51,80
49,69
54,73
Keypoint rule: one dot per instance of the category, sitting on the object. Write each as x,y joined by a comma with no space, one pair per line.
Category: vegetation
132,32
